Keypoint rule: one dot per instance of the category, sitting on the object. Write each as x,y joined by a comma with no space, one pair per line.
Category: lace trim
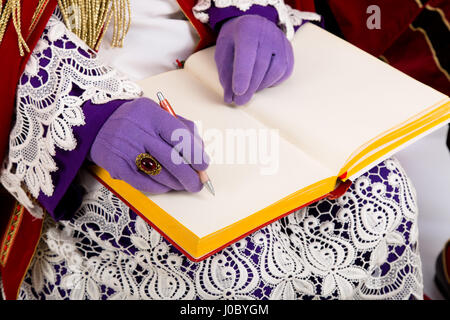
46,112
2,290
288,17
361,246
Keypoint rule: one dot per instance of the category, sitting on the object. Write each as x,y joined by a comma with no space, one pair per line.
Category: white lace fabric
288,18
361,246
46,112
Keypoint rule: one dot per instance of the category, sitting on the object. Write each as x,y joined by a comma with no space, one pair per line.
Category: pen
201,174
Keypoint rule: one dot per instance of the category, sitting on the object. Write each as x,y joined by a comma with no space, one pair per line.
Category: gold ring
147,164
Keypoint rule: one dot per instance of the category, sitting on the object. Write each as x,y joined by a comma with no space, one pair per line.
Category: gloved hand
252,53
142,126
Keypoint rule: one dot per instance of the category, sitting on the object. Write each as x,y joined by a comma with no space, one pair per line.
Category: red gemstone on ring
147,164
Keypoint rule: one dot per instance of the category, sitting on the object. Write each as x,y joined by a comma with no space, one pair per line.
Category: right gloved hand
142,126
252,53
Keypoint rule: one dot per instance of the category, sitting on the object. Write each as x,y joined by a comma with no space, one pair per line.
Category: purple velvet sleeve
67,195
217,16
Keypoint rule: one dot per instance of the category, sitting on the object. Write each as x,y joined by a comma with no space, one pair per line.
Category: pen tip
210,187
160,96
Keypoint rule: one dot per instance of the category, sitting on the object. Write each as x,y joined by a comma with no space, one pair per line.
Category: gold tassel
11,10
89,19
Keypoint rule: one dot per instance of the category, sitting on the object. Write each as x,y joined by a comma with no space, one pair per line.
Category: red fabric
303,5
403,39
420,65
21,253
207,36
351,15
340,190
12,64
443,5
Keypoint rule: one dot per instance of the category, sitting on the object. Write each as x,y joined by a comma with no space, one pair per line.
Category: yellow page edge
188,241
440,113
265,216
391,148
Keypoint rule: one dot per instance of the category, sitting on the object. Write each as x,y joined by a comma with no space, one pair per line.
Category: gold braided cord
11,11
17,26
5,12
38,11
89,19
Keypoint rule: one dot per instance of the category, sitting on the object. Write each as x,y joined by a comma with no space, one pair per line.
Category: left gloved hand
252,53
142,126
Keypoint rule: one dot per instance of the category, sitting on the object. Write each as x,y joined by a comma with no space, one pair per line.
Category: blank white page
241,189
337,99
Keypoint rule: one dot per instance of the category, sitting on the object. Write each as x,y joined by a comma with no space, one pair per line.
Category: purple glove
142,126
252,53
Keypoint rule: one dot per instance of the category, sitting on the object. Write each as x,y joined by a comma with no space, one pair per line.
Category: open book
341,112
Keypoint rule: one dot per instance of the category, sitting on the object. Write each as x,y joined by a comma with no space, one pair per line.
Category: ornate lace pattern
361,246
288,17
46,111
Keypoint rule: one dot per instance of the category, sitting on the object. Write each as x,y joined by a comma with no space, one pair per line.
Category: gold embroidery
384,59
433,52
10,233
37,15
441,13
89,19
419,3
31,257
